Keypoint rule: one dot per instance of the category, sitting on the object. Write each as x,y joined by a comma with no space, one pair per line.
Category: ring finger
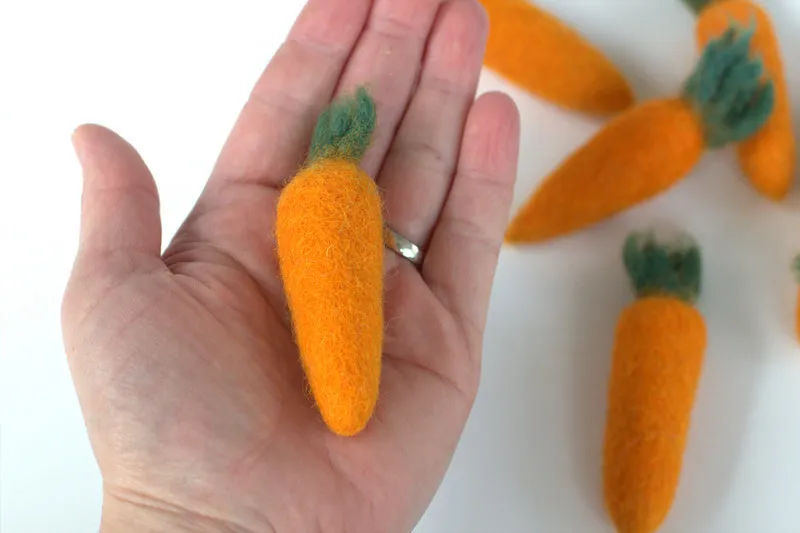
419,167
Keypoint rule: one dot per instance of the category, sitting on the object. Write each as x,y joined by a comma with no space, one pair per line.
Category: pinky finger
462,255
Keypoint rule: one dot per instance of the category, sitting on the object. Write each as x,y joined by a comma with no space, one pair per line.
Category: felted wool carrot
646,150
657,362
329,232
540,53
768,157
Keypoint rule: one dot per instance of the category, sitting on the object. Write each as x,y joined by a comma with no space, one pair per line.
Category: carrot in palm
657,362
541,54
768,157
329,232
646,150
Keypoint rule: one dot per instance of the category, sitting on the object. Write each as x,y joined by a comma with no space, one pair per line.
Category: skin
184,362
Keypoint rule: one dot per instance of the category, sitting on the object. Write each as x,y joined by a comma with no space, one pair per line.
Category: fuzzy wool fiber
656,368
646,150
540,53
329,232
769,157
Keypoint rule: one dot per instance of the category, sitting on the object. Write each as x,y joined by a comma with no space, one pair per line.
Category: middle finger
419,168
387,59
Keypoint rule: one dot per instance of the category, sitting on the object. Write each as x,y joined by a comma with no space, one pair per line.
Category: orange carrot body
329,232
538,52
768,158
646,149
637,155
657,363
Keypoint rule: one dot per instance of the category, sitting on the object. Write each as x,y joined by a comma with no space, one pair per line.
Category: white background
171,75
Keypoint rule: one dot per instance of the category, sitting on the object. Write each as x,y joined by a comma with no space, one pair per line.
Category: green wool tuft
697,5
344,130
663,265
727,89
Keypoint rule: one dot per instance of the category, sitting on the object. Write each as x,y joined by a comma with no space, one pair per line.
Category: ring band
402,246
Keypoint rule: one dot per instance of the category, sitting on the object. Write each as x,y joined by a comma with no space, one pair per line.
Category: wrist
139,514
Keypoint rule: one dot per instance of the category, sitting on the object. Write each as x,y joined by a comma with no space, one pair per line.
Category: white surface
170,76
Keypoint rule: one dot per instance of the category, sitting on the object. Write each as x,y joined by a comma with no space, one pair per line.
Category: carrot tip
664,262
511,237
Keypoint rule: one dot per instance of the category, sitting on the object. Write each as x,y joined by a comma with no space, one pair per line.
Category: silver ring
402,246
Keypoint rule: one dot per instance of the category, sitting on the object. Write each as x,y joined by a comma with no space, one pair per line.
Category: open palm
184,362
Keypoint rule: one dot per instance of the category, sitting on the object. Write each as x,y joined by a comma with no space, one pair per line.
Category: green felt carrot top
727,89
344,130
697,5
663,264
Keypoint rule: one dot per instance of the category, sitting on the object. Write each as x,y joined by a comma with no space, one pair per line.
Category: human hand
184,362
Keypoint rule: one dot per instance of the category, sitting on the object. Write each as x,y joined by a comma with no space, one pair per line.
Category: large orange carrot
541,54
657,362
329,232
768,158
644,151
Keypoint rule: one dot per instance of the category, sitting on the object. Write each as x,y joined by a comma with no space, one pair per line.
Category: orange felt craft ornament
646,150
538,52
768,158
330,241
657,363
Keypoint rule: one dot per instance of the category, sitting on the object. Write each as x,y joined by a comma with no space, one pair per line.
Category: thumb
120,223
120,235
120,208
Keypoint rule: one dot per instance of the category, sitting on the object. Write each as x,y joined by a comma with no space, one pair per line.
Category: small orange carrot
657,363
541,54
329,232
649,148
768,158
